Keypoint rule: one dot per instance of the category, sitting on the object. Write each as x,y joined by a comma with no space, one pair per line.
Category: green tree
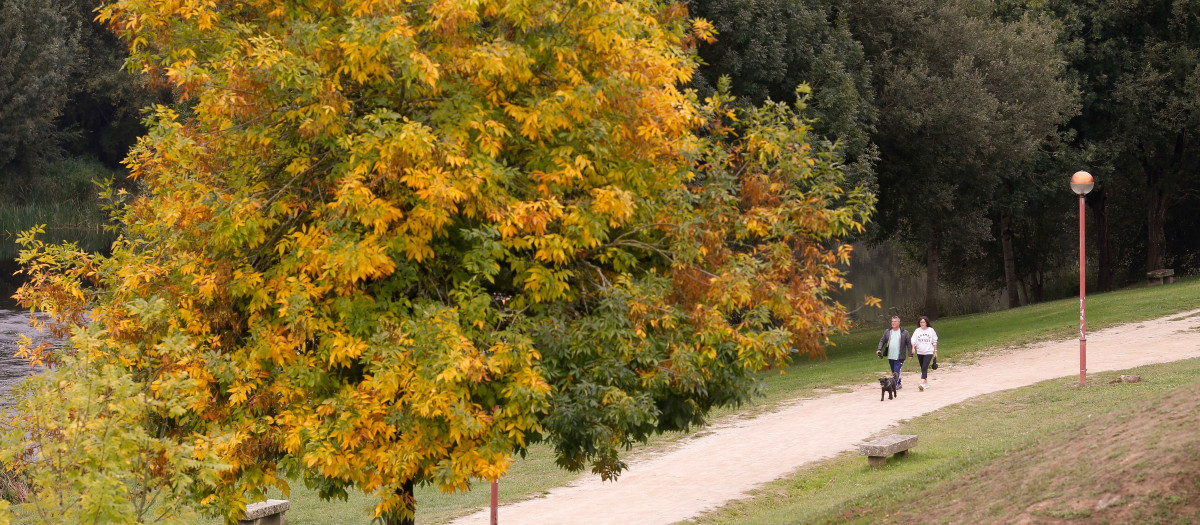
1139,68
39,50
769,47
102,116
392,244
966,99
1031,227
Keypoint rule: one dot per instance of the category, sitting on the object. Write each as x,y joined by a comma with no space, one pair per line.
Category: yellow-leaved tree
383,243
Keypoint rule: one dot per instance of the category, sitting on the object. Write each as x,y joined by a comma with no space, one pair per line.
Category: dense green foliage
103,116
966,99
1138,67
64,196
980,110
63,85
767,48
39,44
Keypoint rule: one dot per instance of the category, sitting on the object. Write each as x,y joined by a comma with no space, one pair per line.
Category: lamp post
495,502
1081,184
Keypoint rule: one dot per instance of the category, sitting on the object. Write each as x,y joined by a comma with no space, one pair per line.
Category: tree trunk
1010,260
1097,202
1037,286
1156,239
931,280
408,515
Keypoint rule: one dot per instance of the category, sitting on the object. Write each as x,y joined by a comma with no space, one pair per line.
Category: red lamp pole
495,502
1082,301
1081,183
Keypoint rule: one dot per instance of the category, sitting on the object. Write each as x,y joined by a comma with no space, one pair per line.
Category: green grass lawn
852,358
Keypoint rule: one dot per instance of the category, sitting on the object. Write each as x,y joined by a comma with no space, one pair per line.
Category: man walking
898,344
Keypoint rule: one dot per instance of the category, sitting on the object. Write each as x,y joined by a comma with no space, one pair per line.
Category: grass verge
1047,453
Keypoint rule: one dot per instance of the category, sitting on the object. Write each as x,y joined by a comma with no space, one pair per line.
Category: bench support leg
876,461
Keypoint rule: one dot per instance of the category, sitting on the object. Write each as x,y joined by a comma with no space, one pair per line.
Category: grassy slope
1048,453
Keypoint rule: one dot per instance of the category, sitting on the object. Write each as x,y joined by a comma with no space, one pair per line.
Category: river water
13,324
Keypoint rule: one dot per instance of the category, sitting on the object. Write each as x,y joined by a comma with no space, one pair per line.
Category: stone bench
877,451
1164,276
270,512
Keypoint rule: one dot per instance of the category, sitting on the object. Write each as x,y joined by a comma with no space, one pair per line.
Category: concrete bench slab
1163,276
877,451
270,512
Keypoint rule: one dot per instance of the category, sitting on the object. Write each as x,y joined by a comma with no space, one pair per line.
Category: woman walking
924,340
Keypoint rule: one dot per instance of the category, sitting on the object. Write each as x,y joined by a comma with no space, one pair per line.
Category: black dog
888,384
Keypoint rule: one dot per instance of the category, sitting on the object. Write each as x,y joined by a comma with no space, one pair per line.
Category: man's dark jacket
905,343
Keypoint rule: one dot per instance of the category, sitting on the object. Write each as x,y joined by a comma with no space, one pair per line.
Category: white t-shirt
923,340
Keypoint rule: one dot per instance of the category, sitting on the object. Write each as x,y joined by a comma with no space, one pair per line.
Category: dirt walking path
735,456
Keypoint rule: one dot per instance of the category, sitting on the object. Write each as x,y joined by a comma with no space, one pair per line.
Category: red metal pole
1082,311
495,501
